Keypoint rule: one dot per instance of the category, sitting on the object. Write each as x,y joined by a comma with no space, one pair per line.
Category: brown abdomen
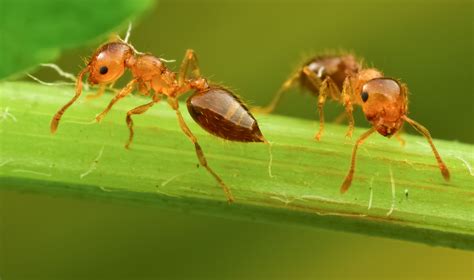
221,113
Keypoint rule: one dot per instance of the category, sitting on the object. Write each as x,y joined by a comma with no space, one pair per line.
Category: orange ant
215,108
342,78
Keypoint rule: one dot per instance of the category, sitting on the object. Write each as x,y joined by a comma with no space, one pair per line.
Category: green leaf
88,160
33,32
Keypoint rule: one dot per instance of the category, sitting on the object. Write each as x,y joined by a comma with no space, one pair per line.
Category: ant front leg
190,61
137,111
57,117
121,94
200,154
423,131
400,138
350,175
347,94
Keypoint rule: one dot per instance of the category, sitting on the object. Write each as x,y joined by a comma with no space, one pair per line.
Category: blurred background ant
342,78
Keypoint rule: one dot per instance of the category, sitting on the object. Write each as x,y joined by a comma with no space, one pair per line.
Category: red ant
215,108
342,78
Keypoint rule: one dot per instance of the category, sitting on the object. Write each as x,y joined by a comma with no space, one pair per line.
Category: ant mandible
215,108
342,78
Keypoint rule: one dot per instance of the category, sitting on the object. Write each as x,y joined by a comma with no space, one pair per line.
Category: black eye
364,95
103,70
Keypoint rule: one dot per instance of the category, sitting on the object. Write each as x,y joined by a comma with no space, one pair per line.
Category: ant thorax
152,73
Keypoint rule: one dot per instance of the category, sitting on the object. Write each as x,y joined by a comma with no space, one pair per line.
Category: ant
215,108
342,78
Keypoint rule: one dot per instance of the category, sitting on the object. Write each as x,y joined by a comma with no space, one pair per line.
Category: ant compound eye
364,95
103,70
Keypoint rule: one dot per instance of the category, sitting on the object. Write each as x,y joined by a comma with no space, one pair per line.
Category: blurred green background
252,46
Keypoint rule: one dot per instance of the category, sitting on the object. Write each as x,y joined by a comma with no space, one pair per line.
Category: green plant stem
88,160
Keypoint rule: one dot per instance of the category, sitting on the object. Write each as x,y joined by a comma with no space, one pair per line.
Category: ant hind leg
199,153
278,95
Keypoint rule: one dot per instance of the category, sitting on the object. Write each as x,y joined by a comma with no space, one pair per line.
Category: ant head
384,104
108,62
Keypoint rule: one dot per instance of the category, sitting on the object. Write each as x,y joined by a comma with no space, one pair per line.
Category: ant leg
59,114
190,61
348,181
422,130
340,118
200,154
346,99
326,88
399,137
121,94
136,111
276,99
98,94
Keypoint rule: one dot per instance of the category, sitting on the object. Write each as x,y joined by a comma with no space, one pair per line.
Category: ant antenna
60,71
127,37
47,83
167,60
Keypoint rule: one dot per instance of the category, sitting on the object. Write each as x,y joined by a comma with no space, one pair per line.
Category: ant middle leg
347,94
136,111
199,153
121,94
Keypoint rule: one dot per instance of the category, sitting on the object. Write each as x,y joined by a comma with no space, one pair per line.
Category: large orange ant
215,108
342,78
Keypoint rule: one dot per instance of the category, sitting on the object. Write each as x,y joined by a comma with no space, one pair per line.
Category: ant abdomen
221,113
